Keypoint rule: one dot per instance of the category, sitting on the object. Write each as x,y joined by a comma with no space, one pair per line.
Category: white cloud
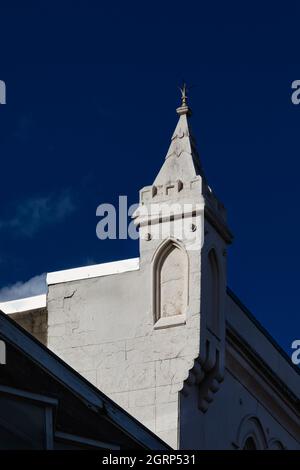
34,286
35,213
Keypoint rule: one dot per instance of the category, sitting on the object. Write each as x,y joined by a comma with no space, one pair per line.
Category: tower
184,238
149,332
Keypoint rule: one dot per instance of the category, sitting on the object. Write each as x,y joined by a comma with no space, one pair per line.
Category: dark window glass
249,444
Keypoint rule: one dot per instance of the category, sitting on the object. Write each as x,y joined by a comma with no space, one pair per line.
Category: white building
162,335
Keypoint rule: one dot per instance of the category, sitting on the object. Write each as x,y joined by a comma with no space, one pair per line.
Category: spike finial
183,90
184,108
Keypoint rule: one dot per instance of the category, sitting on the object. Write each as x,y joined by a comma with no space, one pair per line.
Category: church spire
182,159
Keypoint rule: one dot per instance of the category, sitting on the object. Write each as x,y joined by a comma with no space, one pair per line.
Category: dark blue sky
91,99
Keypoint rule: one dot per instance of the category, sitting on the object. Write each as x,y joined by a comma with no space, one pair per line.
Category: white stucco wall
229,419
103,327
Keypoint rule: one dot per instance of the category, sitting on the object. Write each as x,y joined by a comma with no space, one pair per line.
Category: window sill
167,322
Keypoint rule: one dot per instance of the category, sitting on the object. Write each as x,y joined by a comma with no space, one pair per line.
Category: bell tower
183,240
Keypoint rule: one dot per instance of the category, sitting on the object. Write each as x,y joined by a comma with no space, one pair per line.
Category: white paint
96,270
24,305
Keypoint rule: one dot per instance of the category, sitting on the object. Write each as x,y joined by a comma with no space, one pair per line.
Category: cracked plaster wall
103,327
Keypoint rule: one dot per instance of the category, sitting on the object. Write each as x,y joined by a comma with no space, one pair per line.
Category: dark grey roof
34,368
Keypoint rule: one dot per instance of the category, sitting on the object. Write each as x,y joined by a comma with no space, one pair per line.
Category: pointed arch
170,282
275,444
249,444
251,434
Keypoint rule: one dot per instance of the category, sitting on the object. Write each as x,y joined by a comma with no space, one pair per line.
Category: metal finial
184,108
183,90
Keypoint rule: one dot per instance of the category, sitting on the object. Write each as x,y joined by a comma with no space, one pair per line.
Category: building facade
162,335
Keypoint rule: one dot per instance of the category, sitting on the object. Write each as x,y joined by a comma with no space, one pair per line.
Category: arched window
213,294
251,434
170,281
275,444
249,444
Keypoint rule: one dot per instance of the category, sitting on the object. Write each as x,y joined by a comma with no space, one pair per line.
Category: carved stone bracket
207,374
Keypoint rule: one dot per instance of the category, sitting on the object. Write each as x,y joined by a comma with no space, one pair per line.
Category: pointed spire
182,160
